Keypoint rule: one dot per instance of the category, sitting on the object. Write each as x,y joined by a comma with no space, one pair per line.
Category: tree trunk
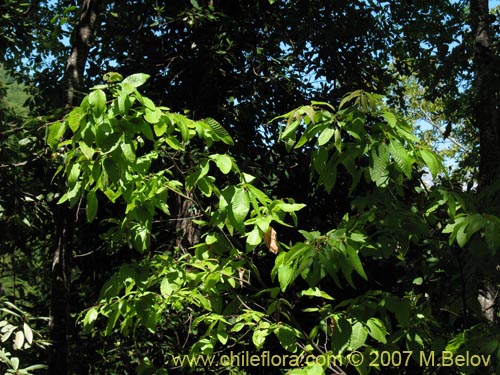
487,120
59,299
486,103
59,323
81,42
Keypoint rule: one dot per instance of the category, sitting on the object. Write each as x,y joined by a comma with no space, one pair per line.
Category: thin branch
431,122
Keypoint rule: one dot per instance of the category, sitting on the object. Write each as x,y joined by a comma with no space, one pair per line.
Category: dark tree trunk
82,38
486,101
59,324
487,120
59,299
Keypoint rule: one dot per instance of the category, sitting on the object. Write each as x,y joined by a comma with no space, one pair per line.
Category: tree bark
82,39
486,113
59,300
486,103
59,323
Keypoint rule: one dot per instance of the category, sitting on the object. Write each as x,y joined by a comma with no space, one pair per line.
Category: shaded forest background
369,223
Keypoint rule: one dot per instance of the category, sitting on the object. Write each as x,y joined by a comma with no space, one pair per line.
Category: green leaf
15,364
289,207
55,133
260,334
90,316
288,339
456,343
174,143
182,125
161,127
92,204
358,336
377,330
74,173
401,156
390,118
254,237
431,161
75,118
136,80
221,133
112,77
378,164
223,162
128,151
152,116
290,128
325,136
356,262
97,100
200,171
285,275
240,205
86,150
222,335
316,292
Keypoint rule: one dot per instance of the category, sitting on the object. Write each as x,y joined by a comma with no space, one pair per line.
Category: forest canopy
267,187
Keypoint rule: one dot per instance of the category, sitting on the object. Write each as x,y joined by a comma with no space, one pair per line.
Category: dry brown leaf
271,240
241,275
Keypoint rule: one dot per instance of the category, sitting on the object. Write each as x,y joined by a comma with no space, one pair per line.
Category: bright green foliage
106,157
129,151
358,130
110,155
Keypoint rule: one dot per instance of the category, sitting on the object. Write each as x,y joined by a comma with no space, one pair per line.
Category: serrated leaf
377,330
358,336
55,133
219,130
240,205
378,164
401,157
75,118
431,161
390,118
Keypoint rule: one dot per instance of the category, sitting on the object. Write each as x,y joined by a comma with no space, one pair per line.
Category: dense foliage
187,183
